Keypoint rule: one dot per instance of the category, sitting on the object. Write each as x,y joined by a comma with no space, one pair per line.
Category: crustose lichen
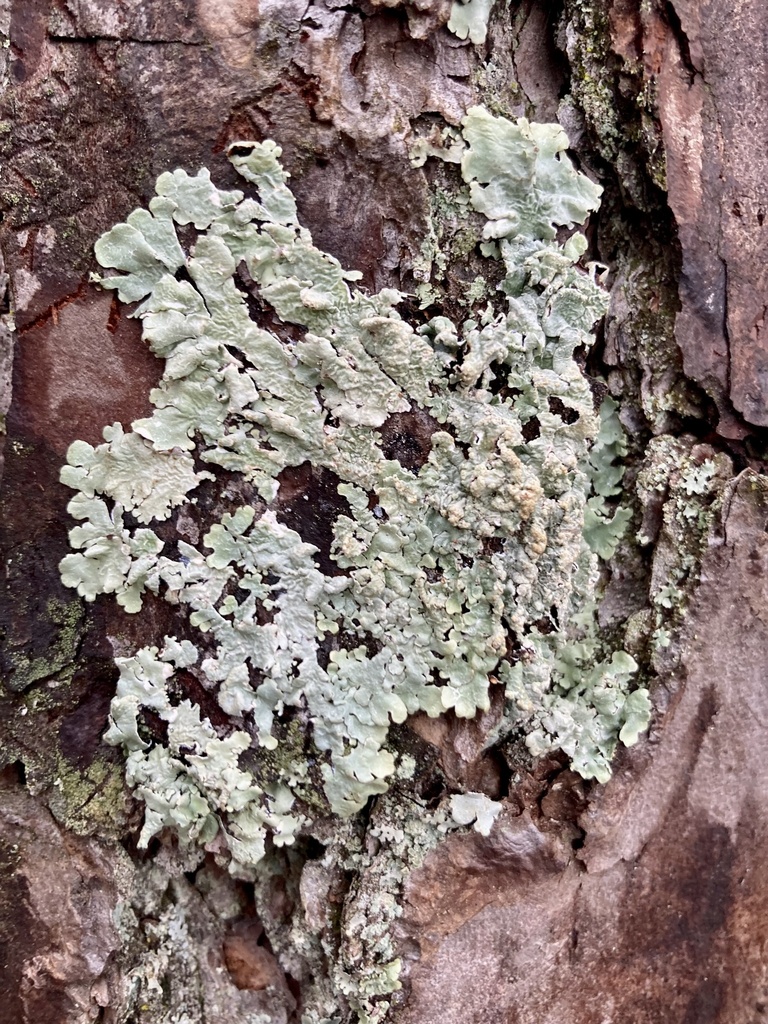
445,578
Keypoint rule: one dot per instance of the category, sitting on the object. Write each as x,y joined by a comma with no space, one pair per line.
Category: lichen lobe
463,568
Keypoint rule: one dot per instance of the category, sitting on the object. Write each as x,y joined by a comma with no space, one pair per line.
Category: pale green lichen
475,809
602,530
577,697
399,836
471,567
447,144
682,486
469,19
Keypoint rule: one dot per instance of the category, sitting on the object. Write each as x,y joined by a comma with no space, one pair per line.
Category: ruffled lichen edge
476,569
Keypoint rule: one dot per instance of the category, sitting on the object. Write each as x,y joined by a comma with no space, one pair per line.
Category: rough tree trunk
643,900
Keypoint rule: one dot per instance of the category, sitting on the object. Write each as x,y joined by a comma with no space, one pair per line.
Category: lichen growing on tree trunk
104,97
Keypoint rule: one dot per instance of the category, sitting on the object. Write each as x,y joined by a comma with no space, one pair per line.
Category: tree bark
642,900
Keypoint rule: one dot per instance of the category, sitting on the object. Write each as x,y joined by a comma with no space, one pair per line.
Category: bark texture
643,900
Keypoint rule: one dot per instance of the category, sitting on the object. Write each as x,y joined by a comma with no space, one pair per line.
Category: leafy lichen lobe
453,572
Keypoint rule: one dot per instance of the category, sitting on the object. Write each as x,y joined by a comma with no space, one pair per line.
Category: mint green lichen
469,18
682,486
399,836
440,571
577,698
603,531
475,809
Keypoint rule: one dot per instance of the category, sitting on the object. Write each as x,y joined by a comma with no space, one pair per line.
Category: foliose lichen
475,809
470,570
469,19
682,487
